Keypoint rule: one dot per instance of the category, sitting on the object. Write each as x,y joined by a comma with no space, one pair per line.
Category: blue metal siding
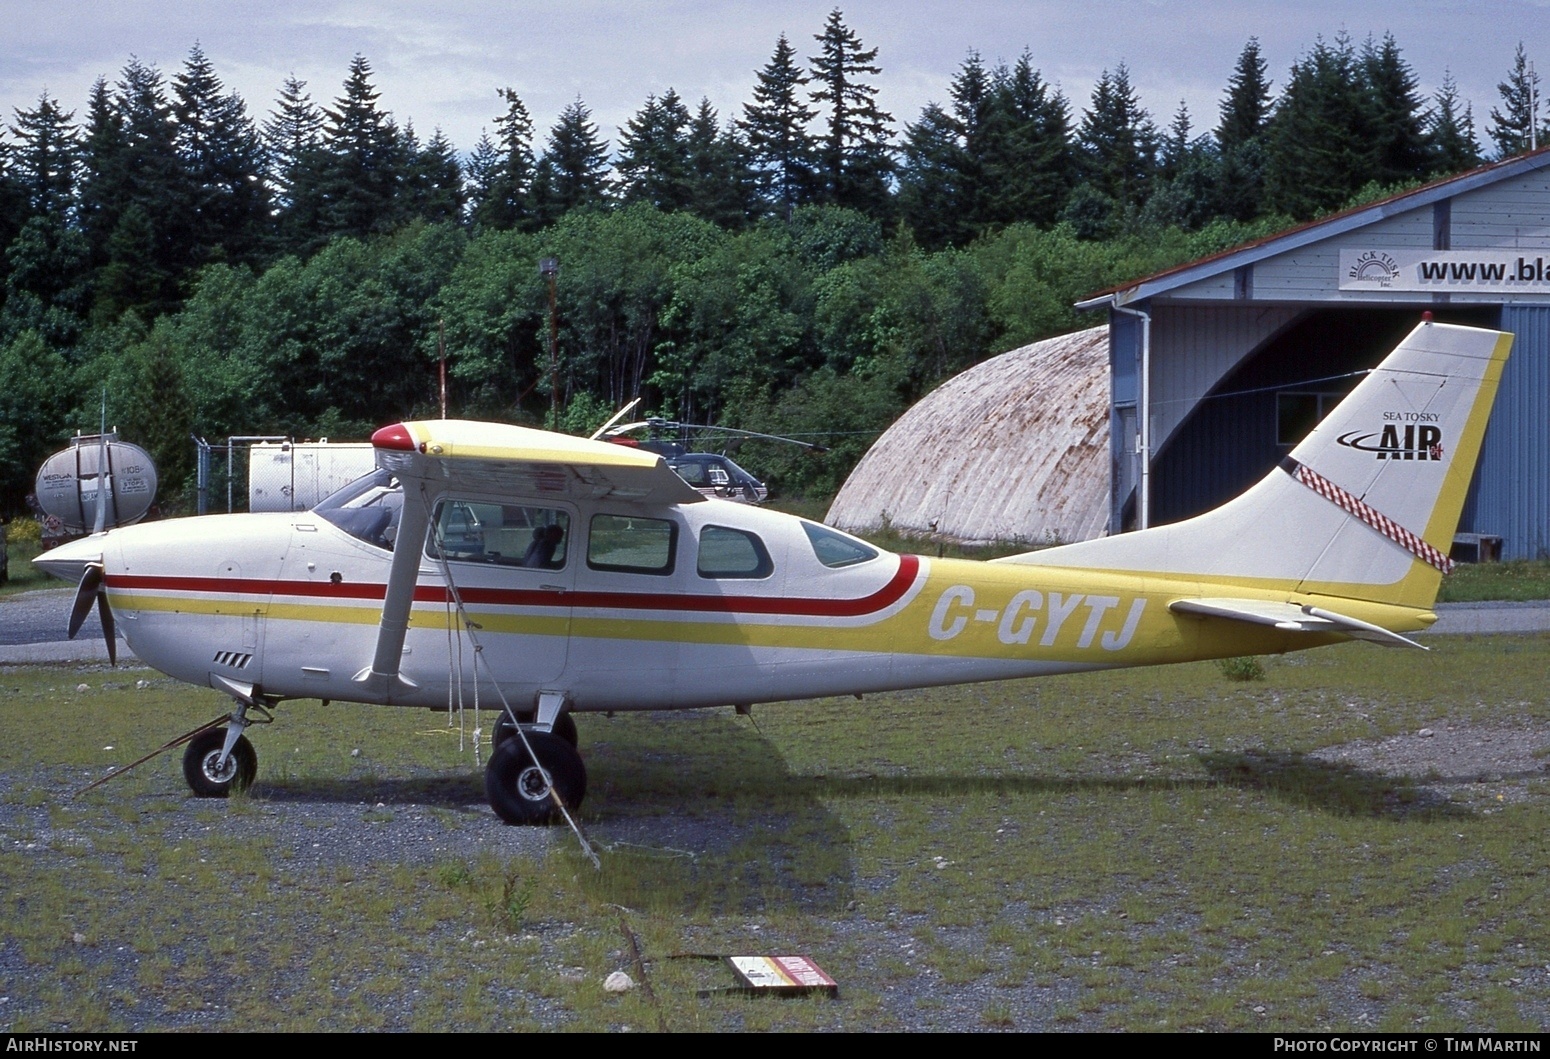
1124,382
1512,498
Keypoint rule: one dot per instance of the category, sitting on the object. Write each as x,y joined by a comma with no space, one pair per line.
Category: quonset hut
1218,367
1015,448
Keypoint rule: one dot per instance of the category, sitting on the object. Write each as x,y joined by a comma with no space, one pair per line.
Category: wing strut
382,675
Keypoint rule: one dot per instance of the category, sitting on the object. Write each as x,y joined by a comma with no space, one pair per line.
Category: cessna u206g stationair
591,577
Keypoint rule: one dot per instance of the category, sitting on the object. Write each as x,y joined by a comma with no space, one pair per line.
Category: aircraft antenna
620,414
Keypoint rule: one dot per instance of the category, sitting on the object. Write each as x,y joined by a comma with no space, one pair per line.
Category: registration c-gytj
1023,614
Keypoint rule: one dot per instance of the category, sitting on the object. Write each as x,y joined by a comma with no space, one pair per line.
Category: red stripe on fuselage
883,598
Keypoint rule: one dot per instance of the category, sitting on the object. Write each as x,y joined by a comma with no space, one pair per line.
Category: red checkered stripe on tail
1373,517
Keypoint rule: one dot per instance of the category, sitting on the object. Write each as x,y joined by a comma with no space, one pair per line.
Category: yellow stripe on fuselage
964,610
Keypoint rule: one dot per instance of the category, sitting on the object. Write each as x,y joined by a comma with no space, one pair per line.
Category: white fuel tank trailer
294,476
71,481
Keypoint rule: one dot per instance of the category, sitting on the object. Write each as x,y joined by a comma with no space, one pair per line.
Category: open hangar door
1278,392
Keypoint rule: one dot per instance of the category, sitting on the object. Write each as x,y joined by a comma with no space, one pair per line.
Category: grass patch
1516,579
1143,850
24,577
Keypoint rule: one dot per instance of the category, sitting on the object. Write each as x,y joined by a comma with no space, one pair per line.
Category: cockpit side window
835,549
367,509
477,531
729,553
632,544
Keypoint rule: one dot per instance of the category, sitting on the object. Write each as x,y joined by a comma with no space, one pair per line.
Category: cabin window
631,544
836,549
728,553
476,531
367,509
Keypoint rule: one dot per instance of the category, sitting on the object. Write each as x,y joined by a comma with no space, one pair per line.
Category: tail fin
1365,508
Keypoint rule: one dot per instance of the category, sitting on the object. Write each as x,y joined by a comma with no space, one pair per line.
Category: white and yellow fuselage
1344,540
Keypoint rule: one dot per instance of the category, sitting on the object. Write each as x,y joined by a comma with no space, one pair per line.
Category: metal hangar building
1218,367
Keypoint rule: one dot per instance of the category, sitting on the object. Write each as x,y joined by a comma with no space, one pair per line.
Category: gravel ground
42,616
437,821
1461,760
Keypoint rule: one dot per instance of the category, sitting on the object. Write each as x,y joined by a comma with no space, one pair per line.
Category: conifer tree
1396,117
1176,146
931,197
654,154
362,164
1246,107
293,142
141,231
434,179
104,186
1029,156
1452,132
1242,136
42,259
721,183
973,96
13,212
1118,141
774,125
482,168
574,170
1515,126
503,170
1321,141
854,155
42,165
1186,193
222,159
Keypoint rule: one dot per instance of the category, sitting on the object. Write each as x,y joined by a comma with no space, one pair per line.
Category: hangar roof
1162,283
1015,448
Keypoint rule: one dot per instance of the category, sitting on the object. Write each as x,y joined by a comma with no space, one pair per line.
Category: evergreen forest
807,265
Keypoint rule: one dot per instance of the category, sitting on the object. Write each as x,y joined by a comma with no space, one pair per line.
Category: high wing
430,456
496,457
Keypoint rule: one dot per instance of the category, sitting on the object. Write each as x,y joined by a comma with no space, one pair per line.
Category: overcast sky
440,64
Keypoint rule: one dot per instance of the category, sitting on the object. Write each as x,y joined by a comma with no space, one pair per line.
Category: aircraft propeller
89,590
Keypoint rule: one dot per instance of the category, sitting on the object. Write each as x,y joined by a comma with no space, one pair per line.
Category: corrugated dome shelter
1014,449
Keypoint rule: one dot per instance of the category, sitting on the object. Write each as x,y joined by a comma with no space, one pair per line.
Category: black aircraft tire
515,785
565,728
204,779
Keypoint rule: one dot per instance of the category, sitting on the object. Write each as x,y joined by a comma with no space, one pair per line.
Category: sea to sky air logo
1374,266
1404,436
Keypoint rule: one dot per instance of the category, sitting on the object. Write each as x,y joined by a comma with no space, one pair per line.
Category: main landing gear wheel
516,786
207,780
564,727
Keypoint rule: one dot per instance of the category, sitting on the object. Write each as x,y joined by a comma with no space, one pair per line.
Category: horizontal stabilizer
1292,618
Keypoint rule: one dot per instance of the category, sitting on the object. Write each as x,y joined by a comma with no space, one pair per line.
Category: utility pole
441,348
549,267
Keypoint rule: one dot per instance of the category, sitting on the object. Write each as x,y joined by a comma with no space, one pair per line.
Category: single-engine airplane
593,578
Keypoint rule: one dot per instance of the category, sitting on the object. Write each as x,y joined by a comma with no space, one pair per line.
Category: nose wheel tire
516,786
205,778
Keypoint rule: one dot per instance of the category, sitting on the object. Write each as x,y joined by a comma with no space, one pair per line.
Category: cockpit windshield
835,549
367,509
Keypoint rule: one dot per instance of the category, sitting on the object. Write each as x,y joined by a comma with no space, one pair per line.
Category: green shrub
1241,668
